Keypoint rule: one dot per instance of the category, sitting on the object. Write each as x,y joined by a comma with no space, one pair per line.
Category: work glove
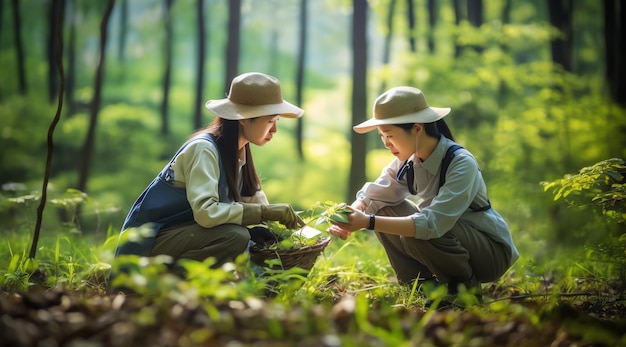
283,213
262,236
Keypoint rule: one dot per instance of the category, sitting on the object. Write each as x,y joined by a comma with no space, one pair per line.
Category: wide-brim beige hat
252,95
401,105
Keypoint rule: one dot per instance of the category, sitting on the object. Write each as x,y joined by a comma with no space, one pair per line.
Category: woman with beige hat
452,235
201,202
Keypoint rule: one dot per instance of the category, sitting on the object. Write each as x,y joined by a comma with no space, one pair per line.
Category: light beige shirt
197,169
440,208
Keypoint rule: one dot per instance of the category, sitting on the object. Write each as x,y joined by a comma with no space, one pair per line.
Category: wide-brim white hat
401,105
252,95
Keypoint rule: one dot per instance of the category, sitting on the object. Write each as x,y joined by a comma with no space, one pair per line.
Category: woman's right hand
359,205
342,232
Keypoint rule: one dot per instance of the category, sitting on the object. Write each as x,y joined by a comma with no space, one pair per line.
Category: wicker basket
303,257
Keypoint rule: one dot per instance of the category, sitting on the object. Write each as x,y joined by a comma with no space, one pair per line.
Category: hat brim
427,115
226,109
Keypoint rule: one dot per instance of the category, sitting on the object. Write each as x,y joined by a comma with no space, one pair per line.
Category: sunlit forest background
534,88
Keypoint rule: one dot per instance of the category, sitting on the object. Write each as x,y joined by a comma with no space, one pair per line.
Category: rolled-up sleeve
453,199
197,167
386,190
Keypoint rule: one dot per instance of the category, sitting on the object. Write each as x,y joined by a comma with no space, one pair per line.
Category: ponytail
438,128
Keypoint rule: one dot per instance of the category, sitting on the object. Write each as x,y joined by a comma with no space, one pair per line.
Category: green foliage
525,119
601,187
373,309
23,129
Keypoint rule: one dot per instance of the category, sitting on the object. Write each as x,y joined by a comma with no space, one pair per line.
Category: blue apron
163,205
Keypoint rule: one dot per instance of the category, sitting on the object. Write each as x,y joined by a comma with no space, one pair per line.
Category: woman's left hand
356,220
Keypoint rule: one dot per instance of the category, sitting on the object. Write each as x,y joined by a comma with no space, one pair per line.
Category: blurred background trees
536,91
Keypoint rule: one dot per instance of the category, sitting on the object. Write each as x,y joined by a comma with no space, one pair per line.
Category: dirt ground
57,317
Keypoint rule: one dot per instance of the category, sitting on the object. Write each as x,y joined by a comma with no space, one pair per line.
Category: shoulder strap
445,162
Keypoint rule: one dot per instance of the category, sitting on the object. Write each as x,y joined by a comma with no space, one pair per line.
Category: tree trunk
70,84
121,42
55,19
1,14
19,47
197,109
560,13
432,23
410,13
387,46
475,12
88,147
165,128
475,17
506,19
359,96
232,45
506,12
302,44
58,37
458,17
614,36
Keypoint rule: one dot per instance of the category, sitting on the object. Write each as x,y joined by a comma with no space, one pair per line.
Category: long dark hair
433,129
226,135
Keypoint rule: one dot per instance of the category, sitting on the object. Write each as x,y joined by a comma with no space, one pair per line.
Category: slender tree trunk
165,128
70,84
410,13
121,42
475,12
506,12
58,36
560,12
1,14
359,96
55,20
614,36
458,17
197,114
90,140
387,46
302,44
475,16
506,19
232,45
19,47
432,24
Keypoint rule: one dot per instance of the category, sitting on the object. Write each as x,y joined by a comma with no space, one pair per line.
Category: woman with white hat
201,202
452,235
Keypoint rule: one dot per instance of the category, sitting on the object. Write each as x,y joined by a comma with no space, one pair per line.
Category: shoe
446,303
428,283
471,286
460,295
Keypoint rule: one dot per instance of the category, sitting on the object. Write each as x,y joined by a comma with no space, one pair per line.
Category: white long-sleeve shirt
440,208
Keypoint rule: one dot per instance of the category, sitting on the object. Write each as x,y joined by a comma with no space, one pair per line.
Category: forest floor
58,317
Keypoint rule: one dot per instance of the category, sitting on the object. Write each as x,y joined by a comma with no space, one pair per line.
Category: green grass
351,288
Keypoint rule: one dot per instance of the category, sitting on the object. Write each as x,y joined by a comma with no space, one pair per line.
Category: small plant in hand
322,213
334,212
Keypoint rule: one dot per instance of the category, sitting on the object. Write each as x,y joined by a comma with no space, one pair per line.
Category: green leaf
339,217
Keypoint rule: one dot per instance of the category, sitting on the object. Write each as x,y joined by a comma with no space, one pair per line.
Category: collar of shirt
433,162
